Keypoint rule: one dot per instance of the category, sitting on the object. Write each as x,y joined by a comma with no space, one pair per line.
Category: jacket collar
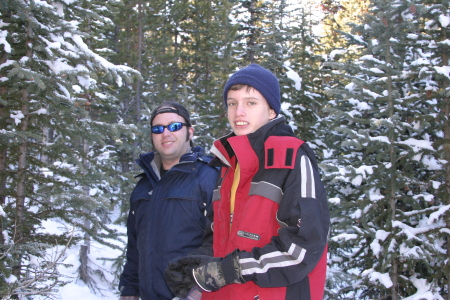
151,162
224,152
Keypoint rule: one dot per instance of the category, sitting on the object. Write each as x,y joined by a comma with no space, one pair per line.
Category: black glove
210,273
213,273
178,275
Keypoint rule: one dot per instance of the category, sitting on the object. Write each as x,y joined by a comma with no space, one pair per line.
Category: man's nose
166,131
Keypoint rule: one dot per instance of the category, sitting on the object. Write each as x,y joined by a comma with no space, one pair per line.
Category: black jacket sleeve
207,242
129,280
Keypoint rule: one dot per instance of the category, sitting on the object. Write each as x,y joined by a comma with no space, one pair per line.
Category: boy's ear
272,114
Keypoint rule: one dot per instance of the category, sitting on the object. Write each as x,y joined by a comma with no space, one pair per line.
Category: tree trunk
3,152
253,30
3,176
175,62
85,248
446,155
22,167
21,184
447,179
393,188
2,189
137,143
45,141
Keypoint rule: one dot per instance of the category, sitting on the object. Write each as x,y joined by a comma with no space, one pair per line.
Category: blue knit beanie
259,78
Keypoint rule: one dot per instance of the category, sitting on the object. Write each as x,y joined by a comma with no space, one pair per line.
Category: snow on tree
384,161
50,86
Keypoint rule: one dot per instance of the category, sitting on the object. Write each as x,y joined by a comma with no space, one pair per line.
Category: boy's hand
213,273
178,275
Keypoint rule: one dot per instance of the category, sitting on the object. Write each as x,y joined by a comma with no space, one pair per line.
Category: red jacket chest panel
257,203
281,152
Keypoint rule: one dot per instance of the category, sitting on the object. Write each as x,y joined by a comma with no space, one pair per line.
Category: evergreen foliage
50,172
79,79
385,233
340,16
431,97
302,85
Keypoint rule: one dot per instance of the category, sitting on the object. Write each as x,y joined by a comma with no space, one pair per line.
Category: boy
270,219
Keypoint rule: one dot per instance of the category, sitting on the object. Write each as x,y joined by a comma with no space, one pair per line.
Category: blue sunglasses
157,129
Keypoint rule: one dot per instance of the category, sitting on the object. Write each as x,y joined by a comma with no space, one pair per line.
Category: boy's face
248,110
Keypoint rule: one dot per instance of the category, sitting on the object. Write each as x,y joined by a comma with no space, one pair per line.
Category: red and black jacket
281,220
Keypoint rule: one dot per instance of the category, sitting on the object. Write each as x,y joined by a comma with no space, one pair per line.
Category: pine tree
340,16
430,91
101,107
249,15
211,35
279,35
303,64
381,173
48,74
186,50
131,19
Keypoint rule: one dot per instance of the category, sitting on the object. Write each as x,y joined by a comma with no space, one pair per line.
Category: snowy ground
107,286
78,290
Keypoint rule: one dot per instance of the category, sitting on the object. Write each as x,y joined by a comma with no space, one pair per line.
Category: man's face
171,145
248,110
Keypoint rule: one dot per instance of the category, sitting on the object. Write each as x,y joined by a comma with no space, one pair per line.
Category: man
270,217
168,206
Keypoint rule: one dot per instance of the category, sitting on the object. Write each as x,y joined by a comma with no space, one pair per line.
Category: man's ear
191,132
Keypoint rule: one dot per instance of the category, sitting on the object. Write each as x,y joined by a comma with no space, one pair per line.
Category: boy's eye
251,103
231,103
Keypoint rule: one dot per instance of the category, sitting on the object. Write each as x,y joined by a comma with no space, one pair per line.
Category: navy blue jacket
166,220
